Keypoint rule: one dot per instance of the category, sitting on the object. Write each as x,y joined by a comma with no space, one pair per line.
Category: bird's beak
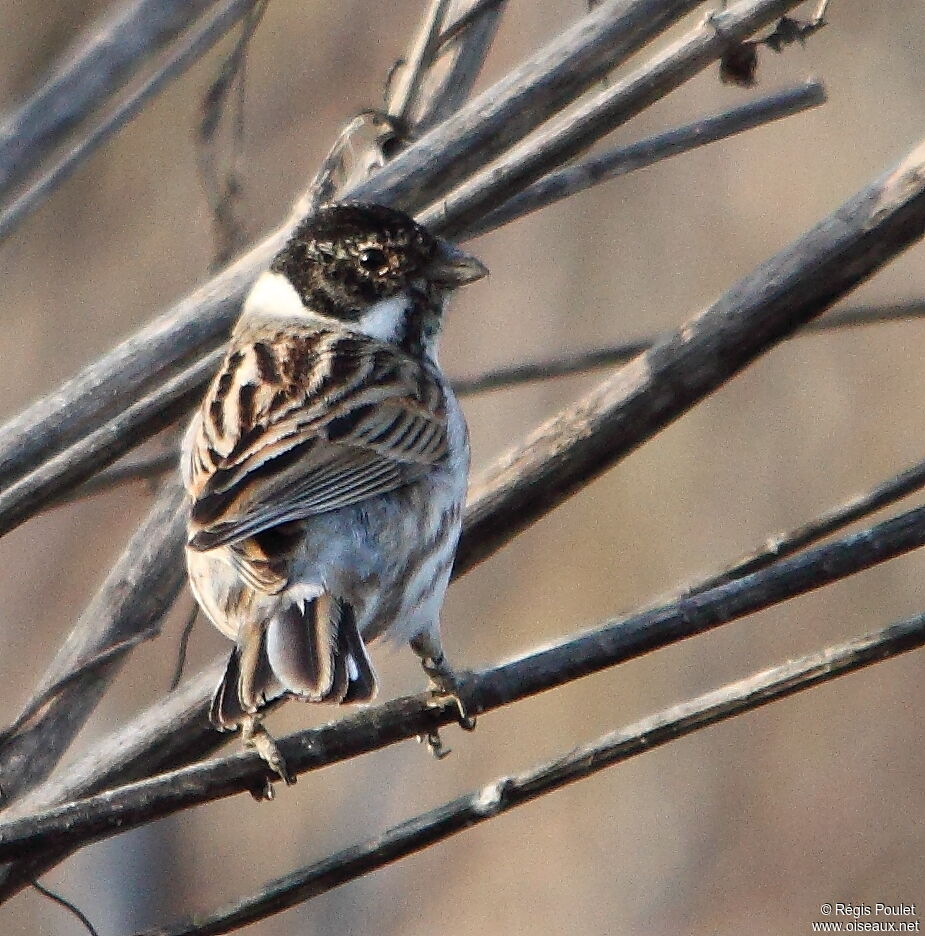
453,267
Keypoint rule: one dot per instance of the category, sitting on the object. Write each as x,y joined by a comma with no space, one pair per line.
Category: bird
327,468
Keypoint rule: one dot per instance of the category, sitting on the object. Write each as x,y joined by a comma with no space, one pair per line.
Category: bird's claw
447,683
435,744
257,738
715,19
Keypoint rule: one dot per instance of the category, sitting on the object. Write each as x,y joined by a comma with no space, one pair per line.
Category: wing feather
294,426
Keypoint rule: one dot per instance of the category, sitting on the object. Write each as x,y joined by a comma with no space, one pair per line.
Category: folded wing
297,426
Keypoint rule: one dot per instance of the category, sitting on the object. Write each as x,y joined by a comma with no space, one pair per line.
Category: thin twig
68,905
786,544
405,86
80,671
224,191
477,11
110,52
442,87
504,794
186,51
183,645
148,468
78,823
138,591
138,423
230,73
458,61
603,167
568,135
580,362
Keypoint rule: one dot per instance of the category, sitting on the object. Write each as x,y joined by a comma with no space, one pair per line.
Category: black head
347,257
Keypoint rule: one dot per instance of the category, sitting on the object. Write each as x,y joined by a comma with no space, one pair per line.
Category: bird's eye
374,260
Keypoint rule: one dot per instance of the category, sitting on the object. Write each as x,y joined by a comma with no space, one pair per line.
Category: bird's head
370,269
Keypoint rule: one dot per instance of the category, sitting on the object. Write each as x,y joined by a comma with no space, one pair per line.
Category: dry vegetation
500,109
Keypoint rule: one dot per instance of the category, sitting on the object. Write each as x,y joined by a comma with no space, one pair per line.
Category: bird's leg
256,737
445,681
435,744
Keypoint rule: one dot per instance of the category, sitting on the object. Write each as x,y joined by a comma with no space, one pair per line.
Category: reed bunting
327,467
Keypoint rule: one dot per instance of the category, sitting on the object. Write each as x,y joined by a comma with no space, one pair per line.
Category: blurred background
746,827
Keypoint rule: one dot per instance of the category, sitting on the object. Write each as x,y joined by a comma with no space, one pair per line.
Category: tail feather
361,678
310,649
301,644
235,697
225,711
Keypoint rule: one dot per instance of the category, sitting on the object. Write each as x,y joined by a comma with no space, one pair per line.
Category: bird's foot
435,744
715,19
447,683
255,737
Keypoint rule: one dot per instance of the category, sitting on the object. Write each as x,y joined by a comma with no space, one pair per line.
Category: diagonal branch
131,471
550,80
81,671
403,92
146,417
478,10
594,170
504,794
111,51
136,594
567,365
787,544
79,823
187,49
566,136
785,292
459,59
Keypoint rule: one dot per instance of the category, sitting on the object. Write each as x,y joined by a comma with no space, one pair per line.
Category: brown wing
296,426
